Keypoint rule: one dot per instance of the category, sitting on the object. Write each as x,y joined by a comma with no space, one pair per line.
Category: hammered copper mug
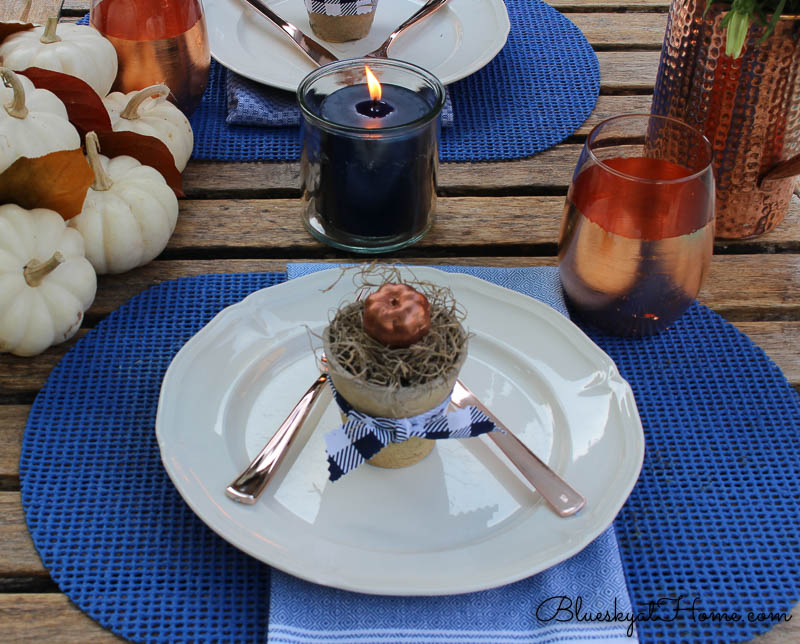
748,107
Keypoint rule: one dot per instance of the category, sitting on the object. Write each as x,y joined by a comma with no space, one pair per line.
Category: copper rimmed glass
637,232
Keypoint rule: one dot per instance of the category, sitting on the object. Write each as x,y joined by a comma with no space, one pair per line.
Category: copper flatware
249,485
555,490
423,12
316,52
321,56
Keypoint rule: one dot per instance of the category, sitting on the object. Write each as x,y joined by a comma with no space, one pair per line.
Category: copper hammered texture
749,108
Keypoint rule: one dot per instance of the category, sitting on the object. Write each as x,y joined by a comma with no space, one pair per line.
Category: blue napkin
534,610
251,103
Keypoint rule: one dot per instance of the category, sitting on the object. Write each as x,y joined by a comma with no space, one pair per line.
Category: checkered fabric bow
340,7
363,436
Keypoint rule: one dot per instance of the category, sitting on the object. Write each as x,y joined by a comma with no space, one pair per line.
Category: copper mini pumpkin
397,315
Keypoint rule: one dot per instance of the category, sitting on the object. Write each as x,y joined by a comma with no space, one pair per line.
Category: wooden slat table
245,217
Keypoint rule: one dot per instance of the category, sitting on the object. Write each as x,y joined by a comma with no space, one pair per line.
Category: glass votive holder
369,165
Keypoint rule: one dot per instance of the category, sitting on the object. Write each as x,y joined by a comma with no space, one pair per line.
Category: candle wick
374,108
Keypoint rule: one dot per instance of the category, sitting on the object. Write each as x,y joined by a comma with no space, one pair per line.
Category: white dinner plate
458,521
454,42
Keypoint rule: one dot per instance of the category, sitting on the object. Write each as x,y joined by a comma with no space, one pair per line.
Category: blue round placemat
538,90
713,517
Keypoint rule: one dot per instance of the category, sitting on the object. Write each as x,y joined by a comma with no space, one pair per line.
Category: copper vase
748,107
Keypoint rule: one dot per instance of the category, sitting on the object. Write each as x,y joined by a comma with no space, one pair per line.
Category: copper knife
316,52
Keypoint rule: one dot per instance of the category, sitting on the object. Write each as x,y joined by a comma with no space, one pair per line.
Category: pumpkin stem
16,107
49,35
131,111
24,16
35,271
102,181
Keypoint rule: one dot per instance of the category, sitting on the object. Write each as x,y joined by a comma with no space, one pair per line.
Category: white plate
460,520
452,43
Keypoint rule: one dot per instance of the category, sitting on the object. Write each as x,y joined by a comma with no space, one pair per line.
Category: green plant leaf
773,21
738,25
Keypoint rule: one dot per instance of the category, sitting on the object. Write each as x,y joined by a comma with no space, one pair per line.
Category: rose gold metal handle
311,48
423,12
249,485
555,490
783,170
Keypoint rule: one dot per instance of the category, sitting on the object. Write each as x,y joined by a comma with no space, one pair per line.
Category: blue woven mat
550,71
713,518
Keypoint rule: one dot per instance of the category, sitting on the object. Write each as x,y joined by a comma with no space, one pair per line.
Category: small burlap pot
379,401
341,20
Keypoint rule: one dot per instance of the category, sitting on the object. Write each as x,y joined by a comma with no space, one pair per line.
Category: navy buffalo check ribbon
340,7
363,436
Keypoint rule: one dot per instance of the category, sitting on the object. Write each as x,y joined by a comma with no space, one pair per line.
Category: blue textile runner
708,538
538,90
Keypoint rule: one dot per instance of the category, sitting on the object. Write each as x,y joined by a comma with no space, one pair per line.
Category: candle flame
375,91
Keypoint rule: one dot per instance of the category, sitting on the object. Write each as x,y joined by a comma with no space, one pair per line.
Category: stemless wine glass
157,41
638,227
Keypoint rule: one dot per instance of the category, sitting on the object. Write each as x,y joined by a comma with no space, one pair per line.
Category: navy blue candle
369,165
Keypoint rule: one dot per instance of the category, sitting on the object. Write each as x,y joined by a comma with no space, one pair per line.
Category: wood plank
780,341
30,374
638,30
551,170
35,11
739,287
462,223
18,557
39,617
608,106
12,426
627,71
606,5
82,6
631,30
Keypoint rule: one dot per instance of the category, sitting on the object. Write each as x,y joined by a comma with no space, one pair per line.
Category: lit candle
370,160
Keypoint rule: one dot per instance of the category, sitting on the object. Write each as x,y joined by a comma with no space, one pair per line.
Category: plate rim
487,55
634,435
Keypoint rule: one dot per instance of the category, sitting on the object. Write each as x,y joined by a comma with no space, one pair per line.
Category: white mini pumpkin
148,112
77,50
128,215
46,283
33,122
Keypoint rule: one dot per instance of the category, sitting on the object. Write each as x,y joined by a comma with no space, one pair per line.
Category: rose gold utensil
321,56
316,52
555,490
423,12
249,485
